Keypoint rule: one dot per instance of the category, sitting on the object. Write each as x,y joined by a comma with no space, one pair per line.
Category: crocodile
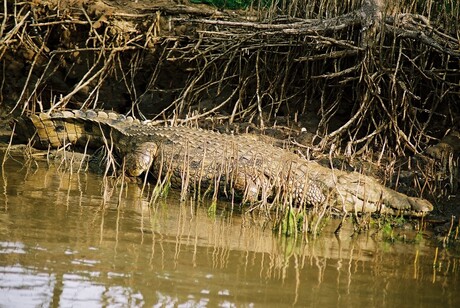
233,164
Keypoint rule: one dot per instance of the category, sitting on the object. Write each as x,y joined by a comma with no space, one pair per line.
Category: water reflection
66,239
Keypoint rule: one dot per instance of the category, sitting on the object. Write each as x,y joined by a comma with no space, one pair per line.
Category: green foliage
387,231
161,190
212,209
288,224
393,231
291,223
418,237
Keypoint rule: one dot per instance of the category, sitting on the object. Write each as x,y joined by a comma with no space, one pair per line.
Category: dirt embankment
372,79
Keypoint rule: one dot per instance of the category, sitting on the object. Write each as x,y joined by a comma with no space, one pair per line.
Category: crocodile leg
140,159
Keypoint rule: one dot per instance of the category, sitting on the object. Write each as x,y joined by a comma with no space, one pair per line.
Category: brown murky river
66,241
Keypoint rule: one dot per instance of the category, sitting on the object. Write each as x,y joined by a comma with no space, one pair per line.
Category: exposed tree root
379,76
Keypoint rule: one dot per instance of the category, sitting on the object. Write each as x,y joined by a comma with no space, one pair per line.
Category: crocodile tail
82,128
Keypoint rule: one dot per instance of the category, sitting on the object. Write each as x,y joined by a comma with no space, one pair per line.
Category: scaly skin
199,158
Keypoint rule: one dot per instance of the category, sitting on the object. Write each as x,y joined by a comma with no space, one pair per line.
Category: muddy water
66,241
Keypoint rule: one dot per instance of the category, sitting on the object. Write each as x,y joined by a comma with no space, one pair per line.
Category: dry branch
374,72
